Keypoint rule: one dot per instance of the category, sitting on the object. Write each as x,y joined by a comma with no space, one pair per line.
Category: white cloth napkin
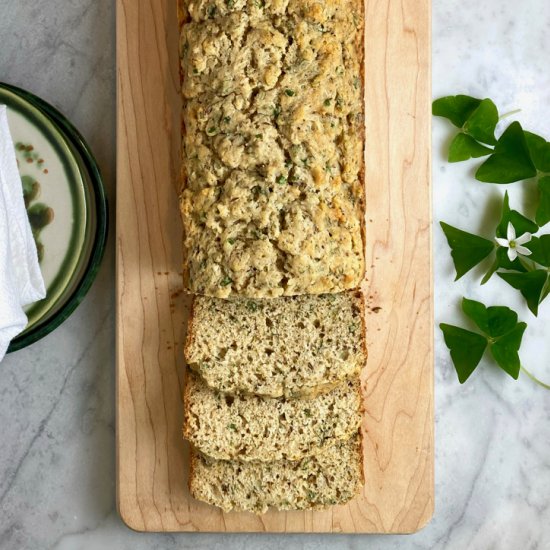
21,281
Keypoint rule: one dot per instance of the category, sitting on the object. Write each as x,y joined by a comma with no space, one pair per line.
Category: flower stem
535,379
510,113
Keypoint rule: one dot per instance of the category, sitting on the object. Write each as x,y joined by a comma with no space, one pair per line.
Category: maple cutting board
152,459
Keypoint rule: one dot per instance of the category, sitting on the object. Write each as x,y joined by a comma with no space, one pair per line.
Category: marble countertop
57,459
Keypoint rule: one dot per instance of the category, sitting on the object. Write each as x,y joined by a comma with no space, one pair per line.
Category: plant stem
535,379
510,113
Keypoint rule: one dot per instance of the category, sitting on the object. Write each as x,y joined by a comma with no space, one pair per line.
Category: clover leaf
482,122
502,334
511,160
467,349
457,108
505,350
519,221
494,321
540,250
465,147
543,211
467,250
533,285
539,149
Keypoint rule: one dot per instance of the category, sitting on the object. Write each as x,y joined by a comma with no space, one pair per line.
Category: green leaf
531,285
466,349
482,122
492,270
540,151
519,221
511,160
540,247
543,211
494,321
464,147
503,262
457,108
467,250
505,350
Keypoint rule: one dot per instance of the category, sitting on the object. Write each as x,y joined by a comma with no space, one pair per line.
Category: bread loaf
273,197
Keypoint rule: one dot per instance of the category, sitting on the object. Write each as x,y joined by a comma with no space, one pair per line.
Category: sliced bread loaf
248,428
334,477
294,346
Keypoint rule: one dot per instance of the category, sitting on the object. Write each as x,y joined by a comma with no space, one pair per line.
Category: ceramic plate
66,205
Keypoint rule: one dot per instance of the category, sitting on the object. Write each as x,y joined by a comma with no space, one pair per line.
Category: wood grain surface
152,459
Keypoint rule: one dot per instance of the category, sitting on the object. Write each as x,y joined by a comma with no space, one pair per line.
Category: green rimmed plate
66,204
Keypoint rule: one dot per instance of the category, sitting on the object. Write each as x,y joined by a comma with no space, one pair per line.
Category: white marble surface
57,487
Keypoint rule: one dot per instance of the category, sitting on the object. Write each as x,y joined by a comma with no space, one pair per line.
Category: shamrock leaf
502,334
540,151
467,349
494,321
505,350
482,122
532,286
503,262
540,249
464,147
543,211
511,160
519,221
457,108
467,250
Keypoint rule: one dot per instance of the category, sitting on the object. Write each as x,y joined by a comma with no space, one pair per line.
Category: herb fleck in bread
334,477
292,346
272,201
252,428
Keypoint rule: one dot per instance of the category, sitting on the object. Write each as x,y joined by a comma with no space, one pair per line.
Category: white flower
514,244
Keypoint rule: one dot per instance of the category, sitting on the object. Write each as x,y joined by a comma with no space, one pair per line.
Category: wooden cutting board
152,459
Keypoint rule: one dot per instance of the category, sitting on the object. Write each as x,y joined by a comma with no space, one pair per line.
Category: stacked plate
66,204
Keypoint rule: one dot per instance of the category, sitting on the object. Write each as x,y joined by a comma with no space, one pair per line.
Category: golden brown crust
212,282
361,49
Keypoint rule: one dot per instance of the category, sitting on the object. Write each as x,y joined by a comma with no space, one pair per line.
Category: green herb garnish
289,92
281,179
251,306
226,281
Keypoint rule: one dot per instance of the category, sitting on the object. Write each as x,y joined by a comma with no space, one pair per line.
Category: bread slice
334,477
248,428
294,346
